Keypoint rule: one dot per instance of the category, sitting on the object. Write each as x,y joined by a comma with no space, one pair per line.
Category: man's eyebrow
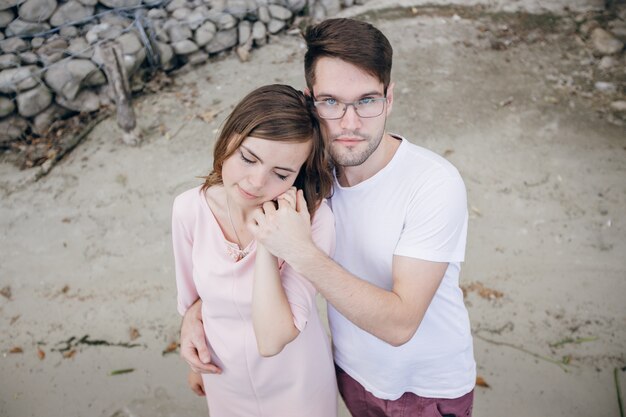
261,161
369,93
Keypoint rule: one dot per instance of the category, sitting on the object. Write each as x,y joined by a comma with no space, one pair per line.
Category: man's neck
349,176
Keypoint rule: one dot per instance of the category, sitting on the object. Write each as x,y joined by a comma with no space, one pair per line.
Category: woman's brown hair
283,114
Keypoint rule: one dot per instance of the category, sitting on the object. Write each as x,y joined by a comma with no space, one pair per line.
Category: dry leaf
69,354
483,291
41,353
448,152
171,348
207,116
6,291
134,333
14,319
65,289
480,381
16,349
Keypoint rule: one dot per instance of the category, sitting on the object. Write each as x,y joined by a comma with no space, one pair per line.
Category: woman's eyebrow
261,161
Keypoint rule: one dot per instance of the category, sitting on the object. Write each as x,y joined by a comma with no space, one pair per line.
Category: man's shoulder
422,161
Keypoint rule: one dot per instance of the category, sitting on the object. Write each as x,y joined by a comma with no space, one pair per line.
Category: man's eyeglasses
332,109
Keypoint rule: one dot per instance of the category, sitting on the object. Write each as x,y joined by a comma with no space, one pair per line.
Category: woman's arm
272,317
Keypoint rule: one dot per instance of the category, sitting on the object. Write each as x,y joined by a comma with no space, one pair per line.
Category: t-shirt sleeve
435,227
300,292
182,239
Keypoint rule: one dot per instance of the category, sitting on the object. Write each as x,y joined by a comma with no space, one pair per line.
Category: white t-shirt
416,206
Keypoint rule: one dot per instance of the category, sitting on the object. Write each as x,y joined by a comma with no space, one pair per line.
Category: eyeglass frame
353,104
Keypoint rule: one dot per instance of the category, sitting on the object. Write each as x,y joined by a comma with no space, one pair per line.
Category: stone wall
51,63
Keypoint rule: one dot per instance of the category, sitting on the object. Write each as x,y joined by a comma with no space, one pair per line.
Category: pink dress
300,380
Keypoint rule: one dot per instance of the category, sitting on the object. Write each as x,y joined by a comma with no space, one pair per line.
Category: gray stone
195,19
52,51
93,34
29,58
244,30
43,121
181,14
347,3
6,106
70,12
606,63
37,10
7,4
259,33
19,27
9,61
225,21
89,2
67,78
205,33
296,5
619,106
318,12
19,79
114,4
32,102
275,26
157,13
132,62
79,48
197,58
6,16
177,32
69,32
130,43
166,54
184,47
264,14
224,39
13,45
605,43
85,101
238,8
332,7
278,12
37,42
175,4
605,87
115,19
11,128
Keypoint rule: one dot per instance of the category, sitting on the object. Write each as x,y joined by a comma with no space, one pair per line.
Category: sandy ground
86,250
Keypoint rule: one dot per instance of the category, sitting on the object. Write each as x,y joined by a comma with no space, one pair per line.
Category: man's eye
330,102
365,101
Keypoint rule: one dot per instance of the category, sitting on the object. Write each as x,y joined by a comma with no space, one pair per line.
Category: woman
259,316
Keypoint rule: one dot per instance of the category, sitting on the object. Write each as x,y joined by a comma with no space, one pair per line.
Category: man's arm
392,316
193,346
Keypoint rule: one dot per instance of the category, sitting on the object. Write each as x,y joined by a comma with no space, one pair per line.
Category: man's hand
194,380
193,346
285,230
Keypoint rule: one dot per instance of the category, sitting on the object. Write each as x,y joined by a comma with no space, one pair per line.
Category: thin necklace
239,253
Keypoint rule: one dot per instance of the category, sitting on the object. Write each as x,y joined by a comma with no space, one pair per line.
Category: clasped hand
285,228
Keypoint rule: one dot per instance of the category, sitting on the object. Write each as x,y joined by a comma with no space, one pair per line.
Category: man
401,335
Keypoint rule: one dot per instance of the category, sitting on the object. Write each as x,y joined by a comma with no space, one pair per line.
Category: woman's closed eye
246,160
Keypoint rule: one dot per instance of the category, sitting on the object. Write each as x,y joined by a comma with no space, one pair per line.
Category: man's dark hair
353,41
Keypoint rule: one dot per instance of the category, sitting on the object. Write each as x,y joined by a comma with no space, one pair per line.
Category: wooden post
118,83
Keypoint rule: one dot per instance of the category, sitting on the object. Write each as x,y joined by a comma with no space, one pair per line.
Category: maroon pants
363,404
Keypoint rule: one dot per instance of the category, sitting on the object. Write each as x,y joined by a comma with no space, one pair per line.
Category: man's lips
349,140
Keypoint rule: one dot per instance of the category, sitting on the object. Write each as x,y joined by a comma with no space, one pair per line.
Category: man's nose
350,120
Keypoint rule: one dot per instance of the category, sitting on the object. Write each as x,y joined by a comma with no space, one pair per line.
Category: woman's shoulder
187,200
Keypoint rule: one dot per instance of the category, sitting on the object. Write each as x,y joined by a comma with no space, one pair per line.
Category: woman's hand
194,380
